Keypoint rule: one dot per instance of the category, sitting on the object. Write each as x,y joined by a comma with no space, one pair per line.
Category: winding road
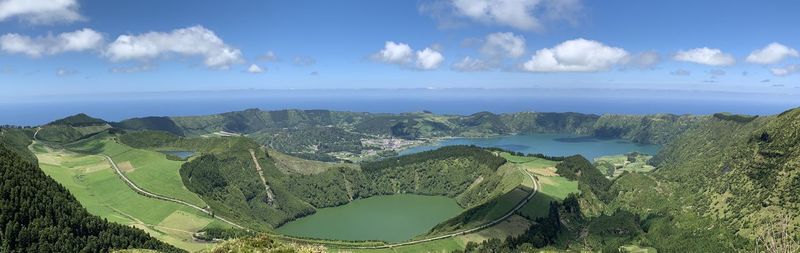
162,197
385,246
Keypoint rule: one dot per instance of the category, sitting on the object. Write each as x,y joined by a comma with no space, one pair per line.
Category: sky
52,47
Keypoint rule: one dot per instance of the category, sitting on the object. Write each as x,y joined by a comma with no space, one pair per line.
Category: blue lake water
548,144
181,154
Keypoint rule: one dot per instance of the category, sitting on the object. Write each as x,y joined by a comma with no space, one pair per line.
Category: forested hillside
322,134
746,168
229,183
39,215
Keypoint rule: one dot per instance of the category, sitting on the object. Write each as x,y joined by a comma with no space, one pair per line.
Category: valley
455,194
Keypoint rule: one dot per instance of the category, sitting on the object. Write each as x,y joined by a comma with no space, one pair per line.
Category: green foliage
148,139
39,215
735,117
59,134
214,233
17,140
78,120
164,124
578,168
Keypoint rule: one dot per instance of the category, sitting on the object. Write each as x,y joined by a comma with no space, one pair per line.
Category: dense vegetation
78,120
229,183
318,134
39,215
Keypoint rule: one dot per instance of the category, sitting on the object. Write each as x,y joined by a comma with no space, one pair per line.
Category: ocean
118,106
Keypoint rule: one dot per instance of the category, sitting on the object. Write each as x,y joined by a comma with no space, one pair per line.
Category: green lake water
391,218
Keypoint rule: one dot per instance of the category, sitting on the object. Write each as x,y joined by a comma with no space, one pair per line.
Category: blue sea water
548,144
115,107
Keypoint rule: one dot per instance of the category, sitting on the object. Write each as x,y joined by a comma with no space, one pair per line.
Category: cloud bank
578,55
705,56
80,40
401,54
191,41
771,54
40,11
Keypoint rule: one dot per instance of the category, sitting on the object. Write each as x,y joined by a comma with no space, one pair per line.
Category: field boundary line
162,197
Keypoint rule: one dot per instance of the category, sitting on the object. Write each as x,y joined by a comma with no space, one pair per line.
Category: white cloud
520,14
469,64
786,70
770,54
579,55
428,59
705,56
191,41
397,53
255,69
80,40
402,54
40,11
505,44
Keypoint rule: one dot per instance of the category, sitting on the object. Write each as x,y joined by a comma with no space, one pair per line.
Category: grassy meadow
94,184
552,186
150,170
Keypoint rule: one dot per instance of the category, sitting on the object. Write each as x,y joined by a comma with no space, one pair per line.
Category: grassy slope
94,184
553,187
151,170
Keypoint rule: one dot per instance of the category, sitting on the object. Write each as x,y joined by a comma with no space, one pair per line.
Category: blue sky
150,45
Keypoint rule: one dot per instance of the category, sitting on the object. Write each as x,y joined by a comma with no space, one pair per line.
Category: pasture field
614,165
94,184
150,170
552,186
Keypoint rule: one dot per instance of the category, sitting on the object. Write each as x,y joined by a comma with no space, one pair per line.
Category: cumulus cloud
428,59
520,14
578,55
469,64
397,53
254,69
40,11
680,72
705,56
503,44
770,54
401,54
786,70
80,40
191,41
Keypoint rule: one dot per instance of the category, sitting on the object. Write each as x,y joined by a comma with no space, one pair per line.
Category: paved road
454,234
162,197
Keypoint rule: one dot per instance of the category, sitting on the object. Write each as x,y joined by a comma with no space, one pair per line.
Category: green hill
78,120
321,134
39,215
